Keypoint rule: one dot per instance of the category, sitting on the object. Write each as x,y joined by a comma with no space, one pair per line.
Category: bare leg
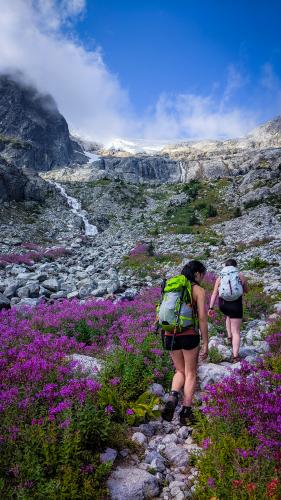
179,377
177,383
228,327
190,362
235,328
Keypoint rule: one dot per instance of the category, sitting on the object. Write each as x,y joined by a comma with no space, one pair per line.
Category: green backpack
175,312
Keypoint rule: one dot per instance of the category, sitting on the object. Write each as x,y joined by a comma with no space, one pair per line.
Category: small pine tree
237,212
193,220
212,211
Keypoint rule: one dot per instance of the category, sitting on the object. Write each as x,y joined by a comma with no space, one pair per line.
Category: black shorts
187,342
232,309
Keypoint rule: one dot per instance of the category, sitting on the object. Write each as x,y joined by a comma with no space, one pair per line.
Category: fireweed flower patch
55,420
35,254
241,425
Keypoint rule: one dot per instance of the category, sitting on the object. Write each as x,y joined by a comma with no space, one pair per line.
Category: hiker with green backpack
181,316
230,287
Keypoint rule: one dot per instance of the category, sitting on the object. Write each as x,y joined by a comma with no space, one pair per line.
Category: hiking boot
170,406
187,416
235,359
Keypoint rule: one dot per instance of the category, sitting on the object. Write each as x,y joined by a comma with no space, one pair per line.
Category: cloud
235,81
36,37
269,79
88,94
196,117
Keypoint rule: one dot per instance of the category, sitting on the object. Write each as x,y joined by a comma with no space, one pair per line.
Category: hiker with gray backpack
181,316
230,286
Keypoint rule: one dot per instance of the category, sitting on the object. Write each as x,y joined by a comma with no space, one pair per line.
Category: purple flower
206,443
114,381
63,405
65,424
211,482
129,411
109,409
87,469
157,352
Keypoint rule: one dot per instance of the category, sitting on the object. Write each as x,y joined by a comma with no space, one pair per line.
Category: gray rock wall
18,184
32,131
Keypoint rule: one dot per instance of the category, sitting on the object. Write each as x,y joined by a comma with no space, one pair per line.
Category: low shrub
35,255
239,431
214,355
51,428
193,220
237,212
256,263
192,188
211,211
55,421
144,263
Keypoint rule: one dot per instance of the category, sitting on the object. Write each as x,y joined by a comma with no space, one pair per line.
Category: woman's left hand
204,353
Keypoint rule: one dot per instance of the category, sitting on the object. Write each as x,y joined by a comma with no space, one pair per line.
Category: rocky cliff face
186,161
139,169
217,159
32,131
19,184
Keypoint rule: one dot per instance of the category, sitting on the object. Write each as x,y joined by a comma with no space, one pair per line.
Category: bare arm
202,316
244,283
215,293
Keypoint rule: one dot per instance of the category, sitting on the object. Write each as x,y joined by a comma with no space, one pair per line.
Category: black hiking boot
170,406
187,416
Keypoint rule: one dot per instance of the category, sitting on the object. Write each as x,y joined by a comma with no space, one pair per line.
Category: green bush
149,264
135,372
193,220
192,188
216,466
252,203
58,463
212,211
256,263
214,355
237,212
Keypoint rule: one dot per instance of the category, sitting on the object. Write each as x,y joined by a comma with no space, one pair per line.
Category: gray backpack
231,287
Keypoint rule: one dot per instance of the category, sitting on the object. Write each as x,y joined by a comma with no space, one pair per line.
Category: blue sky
179,46
155,70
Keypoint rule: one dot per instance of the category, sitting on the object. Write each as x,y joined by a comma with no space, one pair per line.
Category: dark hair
193,266
230,262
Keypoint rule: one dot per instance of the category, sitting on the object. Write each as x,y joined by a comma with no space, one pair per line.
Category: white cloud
235,80
33,39
196,117
88,94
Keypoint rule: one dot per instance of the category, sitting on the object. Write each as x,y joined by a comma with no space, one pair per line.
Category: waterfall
75,207
182,172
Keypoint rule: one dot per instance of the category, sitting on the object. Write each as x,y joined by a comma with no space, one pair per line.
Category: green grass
99,182
144,265
255,264
205,207
214,355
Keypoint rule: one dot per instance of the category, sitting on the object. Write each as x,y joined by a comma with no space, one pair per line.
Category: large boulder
126,483
4,302
20,184
210,373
